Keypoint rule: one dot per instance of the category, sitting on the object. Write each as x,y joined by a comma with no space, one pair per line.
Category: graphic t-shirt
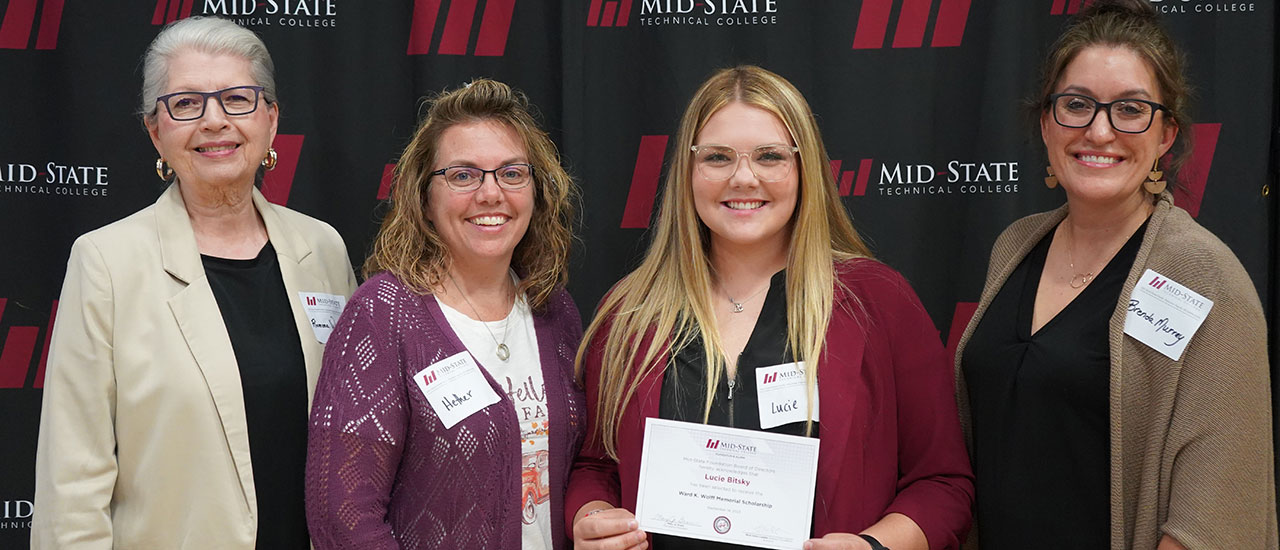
520,377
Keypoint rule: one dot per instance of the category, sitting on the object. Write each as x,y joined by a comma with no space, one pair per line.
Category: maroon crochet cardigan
383,473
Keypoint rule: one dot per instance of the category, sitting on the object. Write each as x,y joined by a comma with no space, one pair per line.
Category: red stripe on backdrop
44,354
873,22
911,22
1058,7
959,321
50,22
1195,175
175,9
864,171
423,26
15,32
16,356
277,184
457,27
835,168
384,185
158,17
494,27
846,183
644,182
186,8
593,13
610,10
624,13
1073,7
948,31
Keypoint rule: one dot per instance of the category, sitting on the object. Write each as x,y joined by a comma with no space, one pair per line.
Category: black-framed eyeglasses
235,101
1128,115
464,179
771,162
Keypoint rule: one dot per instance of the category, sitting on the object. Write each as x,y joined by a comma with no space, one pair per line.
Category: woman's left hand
837,541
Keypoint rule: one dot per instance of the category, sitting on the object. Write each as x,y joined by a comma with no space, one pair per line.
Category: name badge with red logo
783,395
455,388
1163,314
322,311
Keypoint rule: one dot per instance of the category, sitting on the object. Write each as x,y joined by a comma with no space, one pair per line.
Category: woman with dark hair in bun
1093,421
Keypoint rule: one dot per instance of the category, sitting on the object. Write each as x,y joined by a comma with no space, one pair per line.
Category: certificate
726,484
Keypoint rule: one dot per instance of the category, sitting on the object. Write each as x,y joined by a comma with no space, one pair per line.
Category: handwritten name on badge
783,395
455,388
1164,314
322,311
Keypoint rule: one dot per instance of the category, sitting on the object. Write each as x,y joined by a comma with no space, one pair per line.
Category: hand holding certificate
726,484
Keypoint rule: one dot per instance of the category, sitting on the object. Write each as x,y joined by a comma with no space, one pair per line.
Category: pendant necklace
503,351
1083,278
737,306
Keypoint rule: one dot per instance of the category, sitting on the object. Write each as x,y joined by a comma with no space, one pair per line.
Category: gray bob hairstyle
211,35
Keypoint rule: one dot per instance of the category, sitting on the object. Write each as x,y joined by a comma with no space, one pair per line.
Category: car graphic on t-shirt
535,485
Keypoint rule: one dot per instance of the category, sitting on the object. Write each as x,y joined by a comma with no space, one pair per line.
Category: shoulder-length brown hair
408,245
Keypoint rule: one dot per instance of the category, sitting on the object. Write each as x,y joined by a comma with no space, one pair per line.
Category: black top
685,381
1041,420
273,376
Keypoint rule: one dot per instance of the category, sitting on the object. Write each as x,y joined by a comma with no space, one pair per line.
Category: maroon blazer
890,435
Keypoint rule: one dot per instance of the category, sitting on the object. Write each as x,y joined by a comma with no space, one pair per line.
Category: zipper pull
732,383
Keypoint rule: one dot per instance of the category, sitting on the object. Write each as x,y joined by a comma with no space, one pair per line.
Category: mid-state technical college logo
491,39
53,178
16,514
913,21
1068,7
952,177
253,13
706,13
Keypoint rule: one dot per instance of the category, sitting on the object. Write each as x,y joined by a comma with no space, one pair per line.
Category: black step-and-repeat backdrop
918,101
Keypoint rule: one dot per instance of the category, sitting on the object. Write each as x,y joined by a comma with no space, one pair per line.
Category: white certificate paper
726,484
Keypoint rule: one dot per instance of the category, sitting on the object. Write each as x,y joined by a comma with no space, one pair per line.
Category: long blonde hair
668,294
408,245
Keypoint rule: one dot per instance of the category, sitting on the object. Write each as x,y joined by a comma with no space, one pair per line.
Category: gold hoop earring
270,162
1051,181
1154,184
163,170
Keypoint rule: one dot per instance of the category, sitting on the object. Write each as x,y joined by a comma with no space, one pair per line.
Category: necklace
503,351
737,306
1083,278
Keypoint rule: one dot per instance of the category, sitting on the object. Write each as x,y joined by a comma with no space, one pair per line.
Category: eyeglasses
768,162
465,179
1131,116
235,101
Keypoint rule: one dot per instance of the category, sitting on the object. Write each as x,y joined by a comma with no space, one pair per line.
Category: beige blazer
143,441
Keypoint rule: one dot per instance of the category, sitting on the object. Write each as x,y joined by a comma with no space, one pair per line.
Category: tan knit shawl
1191,451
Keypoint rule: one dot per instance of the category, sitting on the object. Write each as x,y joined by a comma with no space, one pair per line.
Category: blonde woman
755,264
447,415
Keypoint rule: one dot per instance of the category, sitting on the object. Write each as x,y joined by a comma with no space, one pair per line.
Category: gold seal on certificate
726,484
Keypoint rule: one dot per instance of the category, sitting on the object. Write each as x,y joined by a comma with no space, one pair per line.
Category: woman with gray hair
190,333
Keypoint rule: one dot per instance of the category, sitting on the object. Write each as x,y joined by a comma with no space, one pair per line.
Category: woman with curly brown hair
446,414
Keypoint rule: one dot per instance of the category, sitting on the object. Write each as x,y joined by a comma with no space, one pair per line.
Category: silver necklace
503,351
737,306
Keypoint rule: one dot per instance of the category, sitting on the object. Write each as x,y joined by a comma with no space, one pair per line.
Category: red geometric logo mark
388,177
1157,282
277,183
168,11
770,378
311,300
913,19
1193,177
427,380
19,21
1068,7
19,348
713,443
959,321
644,182
846,179
495,24
614,14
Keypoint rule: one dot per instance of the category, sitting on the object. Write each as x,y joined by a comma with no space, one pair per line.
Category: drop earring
269,163
1051,181
1154,184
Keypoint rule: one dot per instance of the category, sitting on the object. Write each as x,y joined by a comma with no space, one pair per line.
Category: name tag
455,388
783,395
322,311
1164,314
